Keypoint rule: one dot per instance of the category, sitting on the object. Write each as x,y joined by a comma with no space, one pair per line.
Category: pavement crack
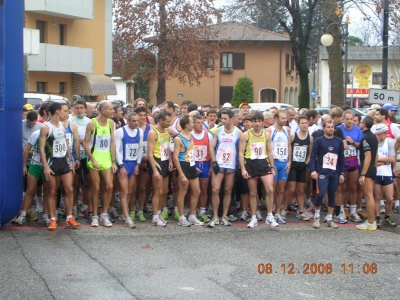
222,287
31,266
103,266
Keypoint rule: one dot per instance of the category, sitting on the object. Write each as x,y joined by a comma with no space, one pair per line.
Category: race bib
200,153
257,151
37,159
299,153
225,156
191,158
144,147
350,152
103,143
60,147
330,161
164,152
68,136
131,151
281,150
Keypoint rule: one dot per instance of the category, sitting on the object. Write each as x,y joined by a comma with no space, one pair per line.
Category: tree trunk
335,52
302,68
161,93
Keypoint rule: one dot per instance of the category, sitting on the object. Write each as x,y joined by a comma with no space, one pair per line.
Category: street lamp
327,40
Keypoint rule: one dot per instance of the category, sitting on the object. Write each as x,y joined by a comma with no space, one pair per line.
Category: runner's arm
76,140
151,141
214,145
242,147
119,135
42,144
177,145
112,145
86,141
269,150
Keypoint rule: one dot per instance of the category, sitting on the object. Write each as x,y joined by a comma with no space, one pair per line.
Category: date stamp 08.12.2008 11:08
317,268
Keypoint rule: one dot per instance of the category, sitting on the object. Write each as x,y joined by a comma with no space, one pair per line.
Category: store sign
362,75
358,91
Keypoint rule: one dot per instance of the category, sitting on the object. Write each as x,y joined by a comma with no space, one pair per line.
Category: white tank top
280,144
383,152
57,140
226,153
174,128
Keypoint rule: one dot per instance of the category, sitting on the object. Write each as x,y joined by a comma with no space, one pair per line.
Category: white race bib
281,150
257,151
103,143
200,153
60,147
191,158
330,161
68,136
299,153
350,152
131,152
145,148
225,156
164,152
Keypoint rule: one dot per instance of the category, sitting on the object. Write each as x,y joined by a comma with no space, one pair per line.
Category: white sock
69,217
165,209
202,211
254,217
23,213
341,209
329,217
191,217
382,202
396,203
176,209
317,215
270,215
155,218
353,209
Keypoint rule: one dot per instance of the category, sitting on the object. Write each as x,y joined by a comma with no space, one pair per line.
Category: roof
233,31
361,53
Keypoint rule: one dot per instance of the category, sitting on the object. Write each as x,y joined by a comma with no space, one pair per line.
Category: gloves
216,168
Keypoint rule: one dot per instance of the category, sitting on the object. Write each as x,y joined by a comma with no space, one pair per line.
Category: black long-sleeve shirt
325,154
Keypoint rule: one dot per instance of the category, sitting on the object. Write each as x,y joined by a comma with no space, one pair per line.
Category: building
263,56
75,47
367,69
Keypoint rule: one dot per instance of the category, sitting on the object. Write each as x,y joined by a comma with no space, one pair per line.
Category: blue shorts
204,167
280,170
383,180
130,167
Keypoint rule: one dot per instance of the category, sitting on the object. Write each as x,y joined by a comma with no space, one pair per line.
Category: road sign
313,93
380,96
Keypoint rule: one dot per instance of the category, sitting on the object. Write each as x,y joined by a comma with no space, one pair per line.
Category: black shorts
371,173
189,171
298,173
59,166
257,168
162,167
83,169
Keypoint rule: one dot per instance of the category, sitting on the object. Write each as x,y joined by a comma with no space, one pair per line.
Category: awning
92,85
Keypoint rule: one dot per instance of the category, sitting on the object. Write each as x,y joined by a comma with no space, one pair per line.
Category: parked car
37,98
267,105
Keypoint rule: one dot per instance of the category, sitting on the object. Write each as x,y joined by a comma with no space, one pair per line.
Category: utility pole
385,38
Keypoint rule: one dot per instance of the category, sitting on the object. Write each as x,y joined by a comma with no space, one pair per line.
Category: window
287,62
63,87
377,78
62,34
292,63
225,94
179,94
41,26
238,61
41,87
227,60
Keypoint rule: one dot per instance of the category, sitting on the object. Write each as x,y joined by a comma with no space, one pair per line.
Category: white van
33,98
267,105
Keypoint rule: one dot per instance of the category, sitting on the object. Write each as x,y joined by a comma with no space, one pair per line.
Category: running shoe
164,214
271,221
316,223
225,221
183,222
105,220
389,222
283,213
30,216
20,220
279,219
293,206
75,213
90,217
397,209
113,213
132,215
366,226
39,208
331,224
213,222
355,218
379,223
231,218
383,209
204,218
95,221
303,217
162,219
141,217
362,214
129,223
259,216
253,223
83,213
72,223
195,221
177,216
46,221
339,219
159,222
243,216
13,221
53,225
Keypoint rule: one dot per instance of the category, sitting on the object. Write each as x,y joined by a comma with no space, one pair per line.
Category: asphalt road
199,263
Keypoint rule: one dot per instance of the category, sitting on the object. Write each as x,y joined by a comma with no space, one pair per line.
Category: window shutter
225,94
238,61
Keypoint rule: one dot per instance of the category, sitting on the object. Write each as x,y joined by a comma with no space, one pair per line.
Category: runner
202,139
254,150
368,156
129,145
184,158
224,158
57,162
300,153
99,145
327,167
160,164
384,175
282,161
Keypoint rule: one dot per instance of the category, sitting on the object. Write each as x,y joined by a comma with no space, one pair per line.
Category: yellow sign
362,74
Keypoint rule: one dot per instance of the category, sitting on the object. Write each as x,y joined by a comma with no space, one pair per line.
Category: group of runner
274,156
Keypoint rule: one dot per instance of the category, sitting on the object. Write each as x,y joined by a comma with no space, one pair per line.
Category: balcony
56,58
69,9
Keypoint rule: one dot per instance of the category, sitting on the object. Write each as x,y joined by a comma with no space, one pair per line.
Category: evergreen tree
243,92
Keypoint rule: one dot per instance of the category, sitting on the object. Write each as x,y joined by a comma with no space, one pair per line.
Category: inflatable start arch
11,102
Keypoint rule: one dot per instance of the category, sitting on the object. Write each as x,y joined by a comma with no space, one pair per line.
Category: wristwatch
120,166
362,174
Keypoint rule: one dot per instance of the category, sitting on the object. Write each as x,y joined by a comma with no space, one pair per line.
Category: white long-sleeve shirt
119,136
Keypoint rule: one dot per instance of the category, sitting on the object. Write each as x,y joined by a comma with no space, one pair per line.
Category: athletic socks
317,213
202,211
329,218
353,209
